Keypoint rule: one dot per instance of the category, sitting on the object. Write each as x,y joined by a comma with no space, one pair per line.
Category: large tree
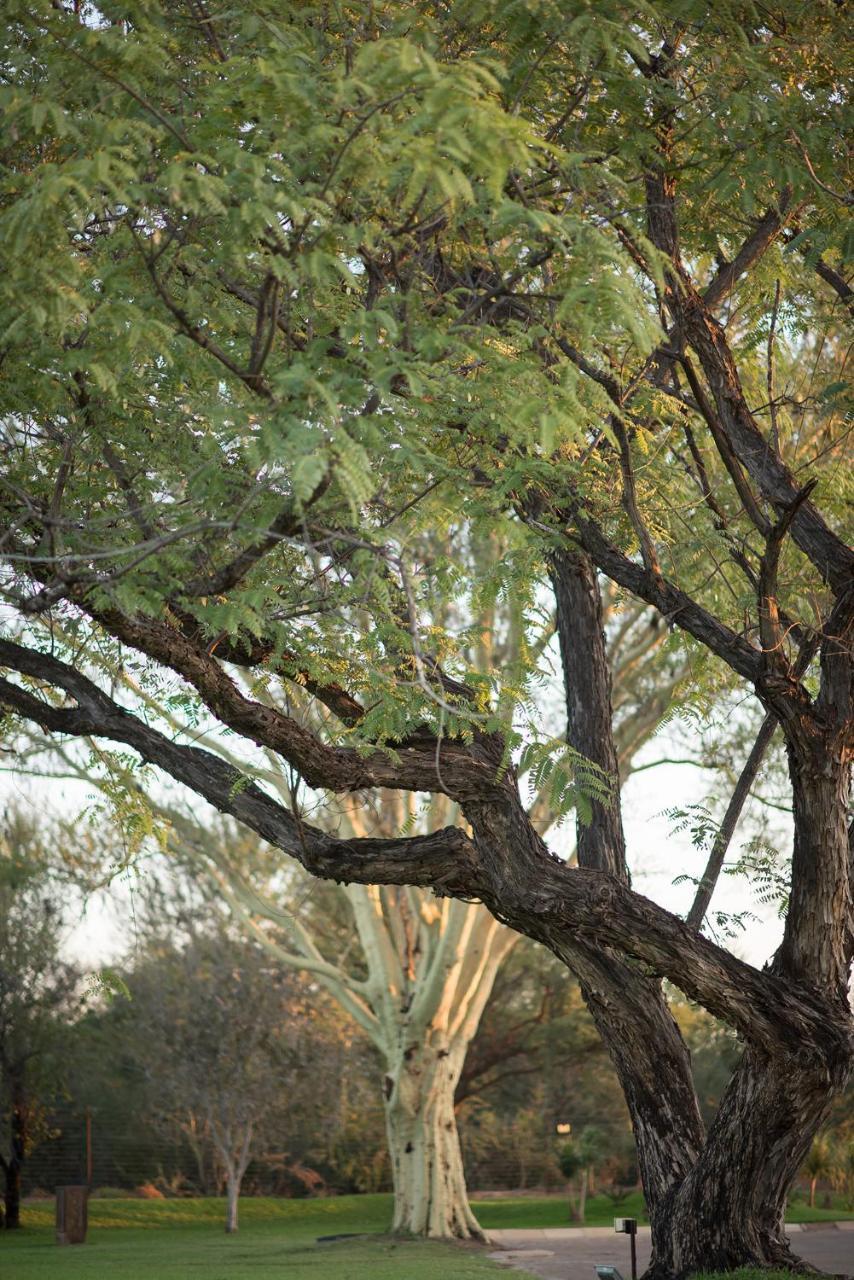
288,286
421,975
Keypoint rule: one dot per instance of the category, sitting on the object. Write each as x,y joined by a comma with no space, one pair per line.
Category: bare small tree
209,1032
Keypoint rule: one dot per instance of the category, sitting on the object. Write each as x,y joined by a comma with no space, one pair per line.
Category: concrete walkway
569,1253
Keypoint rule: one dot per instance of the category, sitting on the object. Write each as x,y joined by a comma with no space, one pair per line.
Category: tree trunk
427,1168
729,1211
582,1196
232,1196
12,1197
13,1166
813,1182
234,1150
715,1202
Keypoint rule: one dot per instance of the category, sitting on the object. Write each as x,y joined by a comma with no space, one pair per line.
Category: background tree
38,994
577,1159
818,1164
209,1026
551,271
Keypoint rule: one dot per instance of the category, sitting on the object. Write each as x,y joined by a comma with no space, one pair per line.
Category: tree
558,272
426,971
209,1031
818,1164
422,974
578,1158
37,996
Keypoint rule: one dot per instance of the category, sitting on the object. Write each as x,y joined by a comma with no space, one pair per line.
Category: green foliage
327,286
583,1152
569,780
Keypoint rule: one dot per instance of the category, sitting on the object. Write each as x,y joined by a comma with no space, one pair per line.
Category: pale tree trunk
432,966
234,1151
427,1168
579,1206
232,1196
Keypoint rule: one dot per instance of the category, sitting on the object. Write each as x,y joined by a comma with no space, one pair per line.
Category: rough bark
729,1211
818,941
627,1005
716,1201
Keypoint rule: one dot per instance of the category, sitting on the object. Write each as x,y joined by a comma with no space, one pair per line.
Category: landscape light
629,1227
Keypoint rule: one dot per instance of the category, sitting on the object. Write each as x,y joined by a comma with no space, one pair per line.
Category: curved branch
562,907
414,764
443,860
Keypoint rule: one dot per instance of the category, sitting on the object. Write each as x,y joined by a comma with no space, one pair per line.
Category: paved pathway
569,1253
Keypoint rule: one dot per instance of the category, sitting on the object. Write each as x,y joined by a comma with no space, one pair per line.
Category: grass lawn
184,1240
553,1211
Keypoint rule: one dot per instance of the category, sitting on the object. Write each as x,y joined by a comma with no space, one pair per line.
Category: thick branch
674,604
437,860
418,764
507,866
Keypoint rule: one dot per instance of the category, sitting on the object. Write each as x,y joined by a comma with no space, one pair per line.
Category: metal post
629,1227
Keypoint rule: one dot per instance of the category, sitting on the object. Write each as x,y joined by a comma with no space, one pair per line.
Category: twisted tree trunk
716,1201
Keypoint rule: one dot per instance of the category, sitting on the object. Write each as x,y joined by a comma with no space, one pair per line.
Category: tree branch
722,840
562,907
439,860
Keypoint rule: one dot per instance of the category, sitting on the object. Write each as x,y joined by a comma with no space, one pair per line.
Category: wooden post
72,1213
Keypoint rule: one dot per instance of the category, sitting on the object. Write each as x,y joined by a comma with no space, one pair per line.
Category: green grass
184,1240
553,1211
744,1273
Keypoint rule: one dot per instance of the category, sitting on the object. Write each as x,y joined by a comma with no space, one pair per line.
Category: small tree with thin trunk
818,1164
207,1026
578,1159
